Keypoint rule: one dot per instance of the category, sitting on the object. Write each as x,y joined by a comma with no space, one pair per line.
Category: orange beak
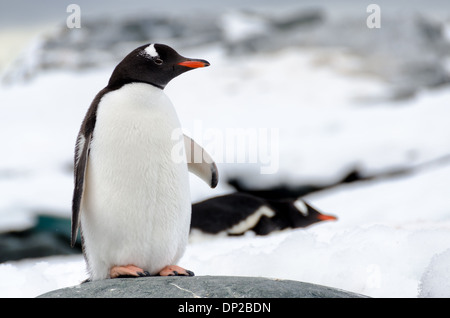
324,217
194,63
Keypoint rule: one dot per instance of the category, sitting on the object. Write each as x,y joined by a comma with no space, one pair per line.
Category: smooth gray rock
199,287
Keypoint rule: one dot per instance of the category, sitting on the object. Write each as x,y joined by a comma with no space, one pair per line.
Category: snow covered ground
316,119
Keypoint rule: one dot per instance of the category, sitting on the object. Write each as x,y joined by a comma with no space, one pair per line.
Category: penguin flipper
81,159
200,162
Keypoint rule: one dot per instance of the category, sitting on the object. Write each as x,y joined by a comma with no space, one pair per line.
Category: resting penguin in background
237,213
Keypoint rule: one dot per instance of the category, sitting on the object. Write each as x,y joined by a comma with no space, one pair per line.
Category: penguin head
302,214
155,64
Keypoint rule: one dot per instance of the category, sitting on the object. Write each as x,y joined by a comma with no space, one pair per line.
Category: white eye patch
150,51
301,206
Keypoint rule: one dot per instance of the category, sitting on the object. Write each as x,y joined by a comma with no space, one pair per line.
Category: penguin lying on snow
131,197
236,213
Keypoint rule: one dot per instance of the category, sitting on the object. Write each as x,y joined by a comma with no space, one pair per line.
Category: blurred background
361,115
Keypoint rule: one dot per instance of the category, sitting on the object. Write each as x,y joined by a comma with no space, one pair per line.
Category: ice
436,279
388,267
31,278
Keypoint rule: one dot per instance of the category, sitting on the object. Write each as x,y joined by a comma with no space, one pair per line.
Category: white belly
136,205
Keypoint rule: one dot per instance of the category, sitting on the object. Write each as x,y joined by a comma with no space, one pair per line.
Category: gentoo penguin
131,198
237,213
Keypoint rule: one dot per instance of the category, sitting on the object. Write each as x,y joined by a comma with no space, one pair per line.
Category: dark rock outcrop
199,287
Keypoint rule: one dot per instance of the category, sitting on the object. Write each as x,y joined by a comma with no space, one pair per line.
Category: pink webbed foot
174,270
128,270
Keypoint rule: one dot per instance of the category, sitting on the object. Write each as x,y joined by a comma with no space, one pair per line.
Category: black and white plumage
237,213
131,197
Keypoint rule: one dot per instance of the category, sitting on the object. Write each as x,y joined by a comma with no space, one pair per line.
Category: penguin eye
157,61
